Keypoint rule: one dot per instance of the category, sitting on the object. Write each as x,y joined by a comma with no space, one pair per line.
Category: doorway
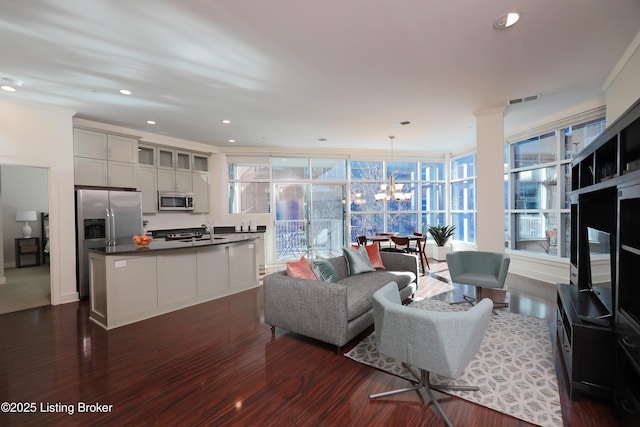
26,272
310,220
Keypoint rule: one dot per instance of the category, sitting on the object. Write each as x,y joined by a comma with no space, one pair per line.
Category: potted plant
441,235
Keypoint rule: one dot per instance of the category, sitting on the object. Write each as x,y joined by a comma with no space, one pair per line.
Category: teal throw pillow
326,270
357,260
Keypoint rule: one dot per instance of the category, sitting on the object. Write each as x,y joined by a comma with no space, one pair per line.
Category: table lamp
26,216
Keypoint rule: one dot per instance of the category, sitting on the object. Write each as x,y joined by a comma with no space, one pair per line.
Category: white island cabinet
129,284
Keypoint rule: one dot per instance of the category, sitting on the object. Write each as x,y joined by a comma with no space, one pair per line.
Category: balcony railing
318,238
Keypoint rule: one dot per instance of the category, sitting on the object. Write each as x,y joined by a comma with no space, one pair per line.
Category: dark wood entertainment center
602,356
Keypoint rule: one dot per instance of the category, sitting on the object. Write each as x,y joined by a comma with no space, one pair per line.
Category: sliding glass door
310,220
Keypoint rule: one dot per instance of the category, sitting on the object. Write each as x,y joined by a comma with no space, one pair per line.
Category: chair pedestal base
423,381
466,299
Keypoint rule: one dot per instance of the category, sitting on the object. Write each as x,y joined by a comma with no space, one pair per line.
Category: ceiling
329,74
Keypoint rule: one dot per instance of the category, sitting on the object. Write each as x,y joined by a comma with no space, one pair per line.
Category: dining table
420,244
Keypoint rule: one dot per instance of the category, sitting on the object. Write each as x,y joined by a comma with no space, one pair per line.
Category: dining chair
398,244
388,243
420,247
362,240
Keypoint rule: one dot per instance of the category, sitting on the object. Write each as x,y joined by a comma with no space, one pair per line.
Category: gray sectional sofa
334,312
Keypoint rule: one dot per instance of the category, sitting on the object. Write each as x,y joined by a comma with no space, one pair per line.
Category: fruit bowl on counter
142,240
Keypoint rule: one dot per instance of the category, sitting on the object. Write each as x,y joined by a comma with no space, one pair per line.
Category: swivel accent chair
440,342
479,269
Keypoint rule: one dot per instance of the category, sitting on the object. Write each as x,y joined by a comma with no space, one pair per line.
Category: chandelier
392,191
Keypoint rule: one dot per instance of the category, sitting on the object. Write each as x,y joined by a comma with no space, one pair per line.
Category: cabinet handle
628,342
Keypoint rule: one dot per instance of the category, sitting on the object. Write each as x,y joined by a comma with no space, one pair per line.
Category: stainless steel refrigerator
103,218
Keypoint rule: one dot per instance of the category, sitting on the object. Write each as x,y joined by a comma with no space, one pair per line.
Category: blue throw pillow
357,260
326,270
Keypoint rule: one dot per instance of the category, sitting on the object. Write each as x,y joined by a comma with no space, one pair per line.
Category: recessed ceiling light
232,140
125,91
8,84
506,20
151,122
226,122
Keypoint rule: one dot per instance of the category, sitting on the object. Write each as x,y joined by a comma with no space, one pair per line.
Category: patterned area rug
514,367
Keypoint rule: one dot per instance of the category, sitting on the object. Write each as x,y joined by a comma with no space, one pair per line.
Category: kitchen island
129,283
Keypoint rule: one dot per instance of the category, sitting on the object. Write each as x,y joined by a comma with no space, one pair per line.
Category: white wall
623,85
41,136
23,188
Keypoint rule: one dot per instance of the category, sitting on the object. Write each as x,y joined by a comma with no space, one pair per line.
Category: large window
463,198
417,200
432,195
375,206
537,188
249,183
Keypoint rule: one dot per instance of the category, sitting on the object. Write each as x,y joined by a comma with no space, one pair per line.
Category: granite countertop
161,245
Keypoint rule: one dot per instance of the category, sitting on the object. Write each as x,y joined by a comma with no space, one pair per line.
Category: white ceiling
289,72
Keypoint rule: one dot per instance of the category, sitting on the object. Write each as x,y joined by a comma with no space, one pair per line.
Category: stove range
184,235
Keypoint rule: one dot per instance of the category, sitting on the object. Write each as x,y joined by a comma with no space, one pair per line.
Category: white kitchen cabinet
174,159
123,289
131,301
260,248
173,180
166,180
136,285
176,267
183,161
260,251
122,149
200,192
123,175
88,171
102,173
90,144
99,145
104,160
200,162
184,182
147,155
213,270
148,185
243,265
166,158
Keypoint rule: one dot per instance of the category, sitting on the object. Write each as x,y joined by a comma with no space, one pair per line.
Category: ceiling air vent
406,122
515,101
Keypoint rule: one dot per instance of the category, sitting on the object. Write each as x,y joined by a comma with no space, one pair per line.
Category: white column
490,180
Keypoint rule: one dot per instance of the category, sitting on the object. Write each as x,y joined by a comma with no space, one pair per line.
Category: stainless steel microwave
175,201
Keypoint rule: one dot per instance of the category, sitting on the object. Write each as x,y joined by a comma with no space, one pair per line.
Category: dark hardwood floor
217,364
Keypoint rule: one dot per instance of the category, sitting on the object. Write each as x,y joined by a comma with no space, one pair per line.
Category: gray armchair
479,269
440,342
